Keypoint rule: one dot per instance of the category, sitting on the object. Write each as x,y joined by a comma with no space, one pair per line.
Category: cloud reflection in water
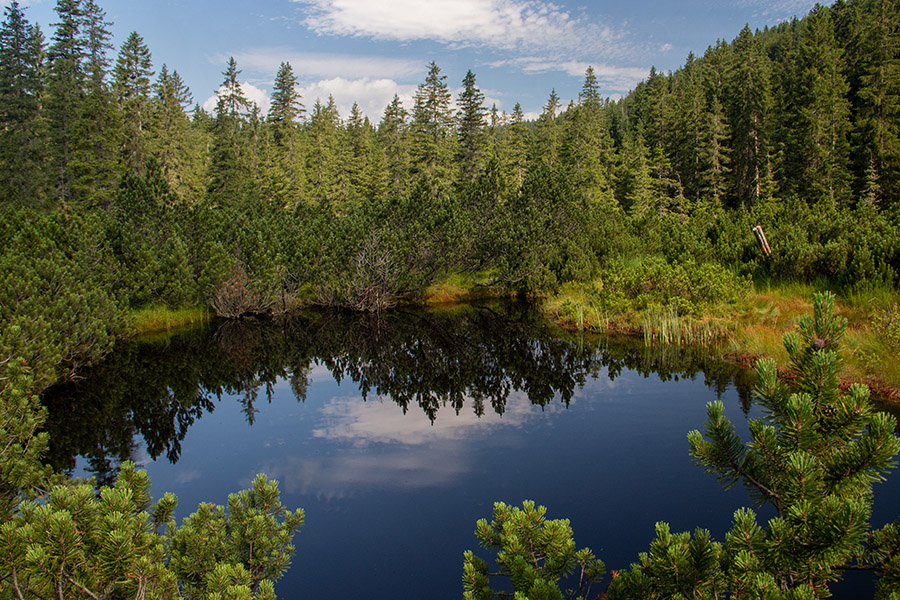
373,444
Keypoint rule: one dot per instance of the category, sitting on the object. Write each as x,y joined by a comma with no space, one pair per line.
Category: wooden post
761,238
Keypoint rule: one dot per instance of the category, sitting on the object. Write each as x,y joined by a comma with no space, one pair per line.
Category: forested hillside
119,191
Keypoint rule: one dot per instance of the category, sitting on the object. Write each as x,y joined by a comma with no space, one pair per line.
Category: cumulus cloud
307,65
611,77
376,446
372,95
251,92
364,423
501,24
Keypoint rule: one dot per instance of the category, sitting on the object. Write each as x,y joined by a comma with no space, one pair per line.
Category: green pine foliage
814,458
535,555
115,542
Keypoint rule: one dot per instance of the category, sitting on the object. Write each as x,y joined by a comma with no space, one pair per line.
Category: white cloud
502,24
251,92
372,95
610,77
364,423
306,65
781,9
378,446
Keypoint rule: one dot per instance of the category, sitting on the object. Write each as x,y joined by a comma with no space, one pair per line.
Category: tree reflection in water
474,355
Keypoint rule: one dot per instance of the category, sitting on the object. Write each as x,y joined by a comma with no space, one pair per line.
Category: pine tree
392,135
23,136
172,140
131,77
432,132
95,162
65,92
533,552
547,134
587,147
879,93
470,119
814,458
750,102
229,167
286,107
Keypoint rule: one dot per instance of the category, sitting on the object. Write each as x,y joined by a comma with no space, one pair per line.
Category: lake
397,432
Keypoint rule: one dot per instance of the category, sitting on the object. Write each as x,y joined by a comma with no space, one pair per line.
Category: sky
365,51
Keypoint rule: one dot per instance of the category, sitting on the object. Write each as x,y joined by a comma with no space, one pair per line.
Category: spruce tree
326,157
514,151
286,107
65,92
879,93
23,137
547,132
432,132
750,102
470,119
283,117
173,141
97,133
229,170
825,110
232,103
392,135
131,81
587,147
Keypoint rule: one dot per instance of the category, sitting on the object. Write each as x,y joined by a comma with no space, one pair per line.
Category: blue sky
365,51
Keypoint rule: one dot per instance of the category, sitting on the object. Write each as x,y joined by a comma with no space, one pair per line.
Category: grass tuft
159,317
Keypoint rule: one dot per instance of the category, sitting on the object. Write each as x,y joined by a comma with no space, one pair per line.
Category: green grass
753,327
159,317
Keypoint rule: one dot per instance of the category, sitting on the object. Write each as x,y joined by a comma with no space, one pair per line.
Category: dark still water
397,433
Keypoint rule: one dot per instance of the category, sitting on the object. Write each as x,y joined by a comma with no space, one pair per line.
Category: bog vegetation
117,191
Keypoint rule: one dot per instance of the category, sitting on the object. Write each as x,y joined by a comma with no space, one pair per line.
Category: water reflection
468,360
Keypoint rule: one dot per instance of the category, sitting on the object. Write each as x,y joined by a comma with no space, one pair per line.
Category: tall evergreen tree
284,114
65,92
514,151
229,171
470,127
432,132
392,134
879,94
587,147
232,103
173,141
23,142
326,157
96,164
825,111
132,75
286,107
547,132
750,103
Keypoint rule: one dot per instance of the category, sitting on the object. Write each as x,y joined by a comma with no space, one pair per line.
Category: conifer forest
119,191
